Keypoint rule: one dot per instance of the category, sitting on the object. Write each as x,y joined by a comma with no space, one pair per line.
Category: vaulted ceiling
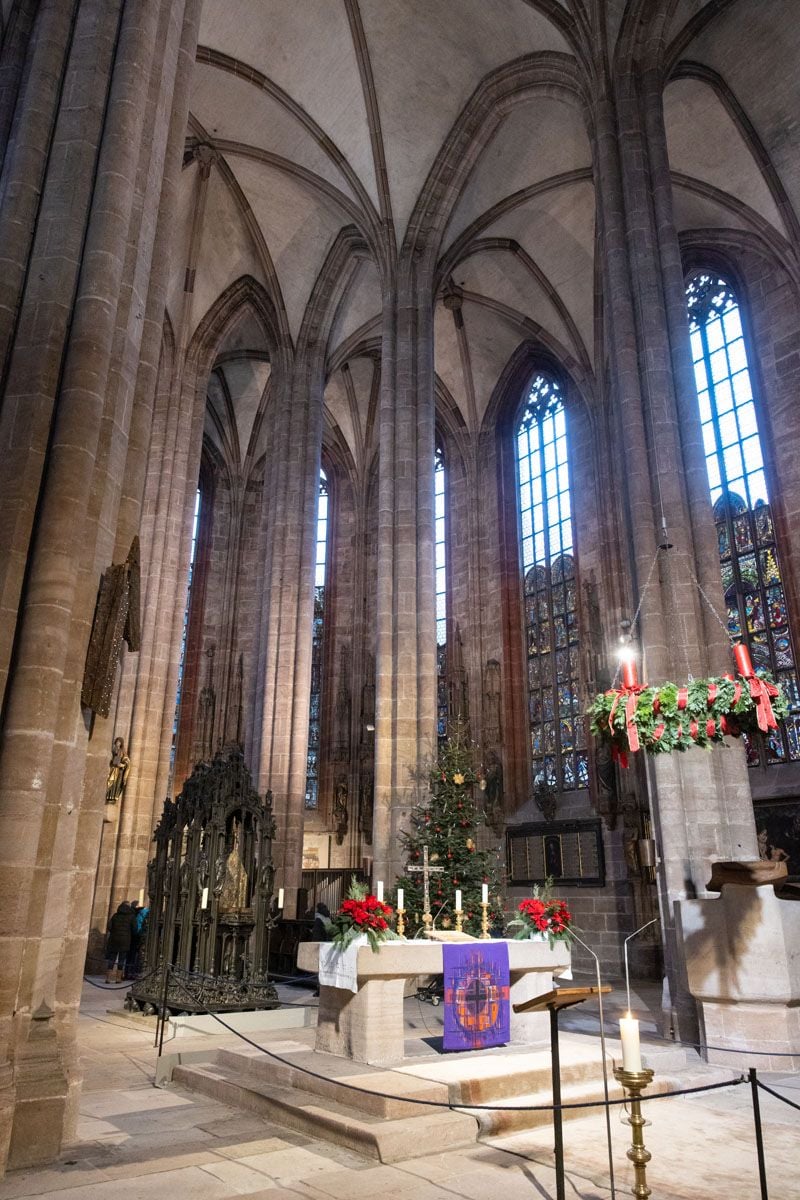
329,113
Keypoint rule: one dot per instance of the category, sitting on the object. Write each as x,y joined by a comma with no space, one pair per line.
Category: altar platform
391,1114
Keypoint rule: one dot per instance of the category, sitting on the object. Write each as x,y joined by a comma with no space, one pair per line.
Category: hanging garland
704,712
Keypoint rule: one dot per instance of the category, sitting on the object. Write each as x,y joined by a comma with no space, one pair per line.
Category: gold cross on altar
427,870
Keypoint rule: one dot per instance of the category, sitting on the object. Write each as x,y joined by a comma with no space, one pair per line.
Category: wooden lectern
554,1001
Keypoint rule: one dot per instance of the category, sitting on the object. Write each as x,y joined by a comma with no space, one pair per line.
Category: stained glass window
440,535
312,764
185,629
557,728
751,578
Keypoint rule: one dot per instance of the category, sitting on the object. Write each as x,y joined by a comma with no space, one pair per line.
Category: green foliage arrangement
702,713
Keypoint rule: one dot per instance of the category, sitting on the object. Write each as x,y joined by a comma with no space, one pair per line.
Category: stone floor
137,1142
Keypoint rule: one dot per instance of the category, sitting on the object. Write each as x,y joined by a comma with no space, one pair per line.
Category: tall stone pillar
405,686
701,806
291,495
106,89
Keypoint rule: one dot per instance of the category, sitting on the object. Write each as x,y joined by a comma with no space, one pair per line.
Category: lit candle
458,900
484,893
141,897
629,1036
204,898
400,898
280,898
379,890
743,661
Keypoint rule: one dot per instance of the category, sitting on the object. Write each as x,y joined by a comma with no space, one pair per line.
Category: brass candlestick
485,920
635,1082
459,919
401,925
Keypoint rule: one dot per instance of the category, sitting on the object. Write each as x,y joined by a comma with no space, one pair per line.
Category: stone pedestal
367,1025
743,966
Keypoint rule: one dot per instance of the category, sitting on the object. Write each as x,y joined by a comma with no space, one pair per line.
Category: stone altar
367,1025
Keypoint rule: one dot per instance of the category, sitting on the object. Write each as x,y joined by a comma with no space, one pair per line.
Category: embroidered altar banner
477,1009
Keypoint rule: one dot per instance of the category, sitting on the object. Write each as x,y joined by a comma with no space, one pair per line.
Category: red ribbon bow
630,695
761,691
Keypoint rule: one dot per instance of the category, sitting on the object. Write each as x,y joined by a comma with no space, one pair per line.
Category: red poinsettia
541,913
361,913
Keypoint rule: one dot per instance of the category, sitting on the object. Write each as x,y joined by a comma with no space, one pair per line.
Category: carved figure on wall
233,896
545,796
266,878
116,617
219,873
365,801
340,814
493,809
119,769
492,730
186,876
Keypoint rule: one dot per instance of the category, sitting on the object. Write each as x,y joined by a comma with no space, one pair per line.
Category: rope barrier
707,1087
777,1095
117,987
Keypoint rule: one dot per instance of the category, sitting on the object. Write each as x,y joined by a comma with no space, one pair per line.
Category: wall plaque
570,851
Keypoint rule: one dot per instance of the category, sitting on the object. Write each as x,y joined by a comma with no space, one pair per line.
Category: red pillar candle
629,677
743,664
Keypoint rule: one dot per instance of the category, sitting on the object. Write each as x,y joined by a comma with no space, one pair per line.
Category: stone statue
340,814
492,730
118,770
202,872
233,896
493,796
116,616
186,875
365,801
219,872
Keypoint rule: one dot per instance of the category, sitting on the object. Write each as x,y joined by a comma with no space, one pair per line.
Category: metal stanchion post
762,1166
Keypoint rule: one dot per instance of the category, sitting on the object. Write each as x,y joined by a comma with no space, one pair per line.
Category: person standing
118,942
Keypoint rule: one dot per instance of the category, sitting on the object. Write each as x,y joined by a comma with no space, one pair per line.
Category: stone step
388,1140
369,1090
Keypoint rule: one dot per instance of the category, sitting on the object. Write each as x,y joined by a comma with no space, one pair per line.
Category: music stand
554,1001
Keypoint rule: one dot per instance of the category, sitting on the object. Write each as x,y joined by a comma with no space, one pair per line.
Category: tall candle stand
635,1082
485,920
401,924
459,919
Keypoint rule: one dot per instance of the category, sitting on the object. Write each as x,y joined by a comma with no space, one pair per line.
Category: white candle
280,898
204,898
379,890
629,1036
141,897
400,898
458,899
484,893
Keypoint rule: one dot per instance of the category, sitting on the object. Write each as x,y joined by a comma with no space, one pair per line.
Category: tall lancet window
312,766
185,629
751,577
557,729
440,534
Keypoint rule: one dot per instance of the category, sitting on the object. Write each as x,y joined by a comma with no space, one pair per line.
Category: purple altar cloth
477,1009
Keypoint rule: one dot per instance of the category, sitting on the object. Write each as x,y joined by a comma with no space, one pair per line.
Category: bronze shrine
210,888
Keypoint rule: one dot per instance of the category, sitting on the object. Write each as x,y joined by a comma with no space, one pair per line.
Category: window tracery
314,717
557,728
440,540
751,578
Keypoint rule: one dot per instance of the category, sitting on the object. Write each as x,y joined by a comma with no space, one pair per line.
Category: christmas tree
447,821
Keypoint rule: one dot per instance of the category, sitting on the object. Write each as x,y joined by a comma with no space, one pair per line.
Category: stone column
66,351
692,804
291,495
405,688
